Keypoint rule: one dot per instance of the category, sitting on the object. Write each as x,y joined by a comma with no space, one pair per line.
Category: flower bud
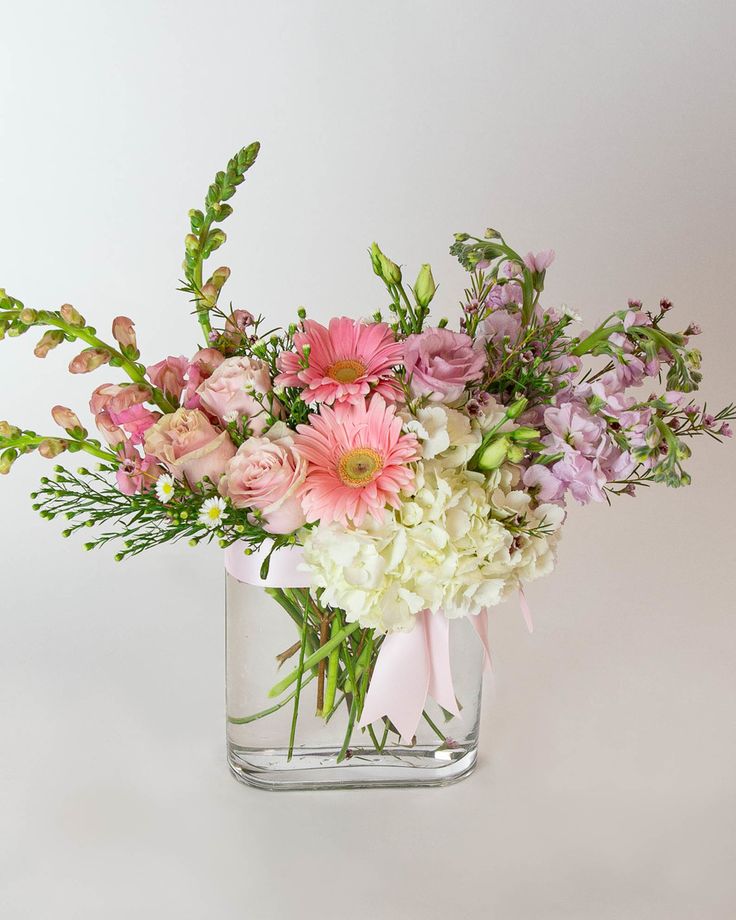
390,271
196,219
209,294
516,408
123,332
219,277
461,237
516,453
49,340
28,316
8,431
7,459
109,430
424,288
494,455
52,447
215,239
68,420
524,434
375,254
70,315
89,360
191,242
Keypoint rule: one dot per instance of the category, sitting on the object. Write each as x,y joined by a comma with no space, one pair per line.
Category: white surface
606,131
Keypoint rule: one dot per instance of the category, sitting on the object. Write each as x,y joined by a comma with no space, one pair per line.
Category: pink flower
357,461
201,368
136,473
345,361
266,474
499,325
572,426
440,363
540,261
549,487
135,421
111,432
230,393
582,477
123,331
189,446
169,375
111,396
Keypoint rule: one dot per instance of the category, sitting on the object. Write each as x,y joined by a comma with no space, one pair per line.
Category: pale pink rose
229,393
169,375
440,363
266,474
201,367
115,398
189,446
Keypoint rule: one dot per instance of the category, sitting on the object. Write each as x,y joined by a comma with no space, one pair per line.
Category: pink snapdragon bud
123,332
111,432
116,398
67,419
49,340
89,360
237,323
52,447
71,316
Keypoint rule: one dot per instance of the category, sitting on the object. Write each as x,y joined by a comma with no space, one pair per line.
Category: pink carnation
346,360
440,364
358,461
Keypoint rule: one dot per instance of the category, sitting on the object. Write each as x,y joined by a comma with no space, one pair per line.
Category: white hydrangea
453,545
444,434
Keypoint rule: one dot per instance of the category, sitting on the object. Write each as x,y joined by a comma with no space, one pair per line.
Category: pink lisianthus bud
67,420
123,332
71,316
89,360
169,375
52,447
111,432
49,340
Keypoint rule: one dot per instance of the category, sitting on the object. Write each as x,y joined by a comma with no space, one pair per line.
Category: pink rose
189,445
169,375
265,474
440,363
229,393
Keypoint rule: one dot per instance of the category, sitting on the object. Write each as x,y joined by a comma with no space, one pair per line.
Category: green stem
433,726
267,712
333,665
298,691
600,335
313,659
349,732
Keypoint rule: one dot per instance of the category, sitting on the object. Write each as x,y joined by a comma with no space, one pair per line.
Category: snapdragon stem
298,691
314,658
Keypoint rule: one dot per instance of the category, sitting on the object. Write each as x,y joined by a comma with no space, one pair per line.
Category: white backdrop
607,131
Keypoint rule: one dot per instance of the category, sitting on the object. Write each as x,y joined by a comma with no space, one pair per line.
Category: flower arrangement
423,471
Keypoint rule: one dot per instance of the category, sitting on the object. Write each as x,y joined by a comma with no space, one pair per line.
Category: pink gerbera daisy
357,459
343,361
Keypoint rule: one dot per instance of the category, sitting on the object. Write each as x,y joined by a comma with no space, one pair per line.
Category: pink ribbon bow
412,666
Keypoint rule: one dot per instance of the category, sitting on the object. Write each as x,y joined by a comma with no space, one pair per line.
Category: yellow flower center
359,466
346,371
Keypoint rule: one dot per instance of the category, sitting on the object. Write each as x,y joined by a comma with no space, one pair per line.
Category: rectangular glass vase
272,748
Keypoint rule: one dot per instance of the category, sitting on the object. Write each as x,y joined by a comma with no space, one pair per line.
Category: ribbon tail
400,680
286,566
525,611
480,625
440,687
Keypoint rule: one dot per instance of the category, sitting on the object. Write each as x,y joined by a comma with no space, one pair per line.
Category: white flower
212,511
165,488
443,433
573,314
459,543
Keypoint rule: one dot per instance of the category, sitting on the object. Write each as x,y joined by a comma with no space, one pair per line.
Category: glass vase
306,735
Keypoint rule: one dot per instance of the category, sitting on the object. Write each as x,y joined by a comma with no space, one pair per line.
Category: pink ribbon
283,569
412,666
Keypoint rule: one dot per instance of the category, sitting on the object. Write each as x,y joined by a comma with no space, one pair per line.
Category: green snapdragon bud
424,287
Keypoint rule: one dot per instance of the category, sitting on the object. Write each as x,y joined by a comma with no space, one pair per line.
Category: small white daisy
165,488
212,511
573,314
